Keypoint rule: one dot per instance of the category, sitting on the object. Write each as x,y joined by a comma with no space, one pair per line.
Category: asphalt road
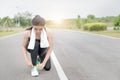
12,63
86,56
82,56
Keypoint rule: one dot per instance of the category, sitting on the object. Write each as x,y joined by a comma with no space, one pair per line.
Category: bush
95,26
117,21
116,28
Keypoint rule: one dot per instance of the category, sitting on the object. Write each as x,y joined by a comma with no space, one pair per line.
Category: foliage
78,22
117,23
23,19
90,18
95,26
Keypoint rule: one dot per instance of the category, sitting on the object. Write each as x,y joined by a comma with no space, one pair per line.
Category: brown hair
38,21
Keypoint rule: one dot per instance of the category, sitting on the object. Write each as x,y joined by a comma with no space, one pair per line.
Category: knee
48,65
47,69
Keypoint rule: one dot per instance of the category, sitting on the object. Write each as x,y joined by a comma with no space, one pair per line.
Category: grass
6,33
112,33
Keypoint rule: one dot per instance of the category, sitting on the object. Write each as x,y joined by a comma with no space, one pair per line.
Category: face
38,29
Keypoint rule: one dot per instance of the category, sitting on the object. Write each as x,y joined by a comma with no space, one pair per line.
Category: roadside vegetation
6,33
109,25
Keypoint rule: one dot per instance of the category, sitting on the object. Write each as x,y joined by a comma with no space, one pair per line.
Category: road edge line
58,67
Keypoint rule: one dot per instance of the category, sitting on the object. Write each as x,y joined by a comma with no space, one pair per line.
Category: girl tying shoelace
38,42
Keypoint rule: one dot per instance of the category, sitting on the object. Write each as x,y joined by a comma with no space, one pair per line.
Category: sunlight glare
58,21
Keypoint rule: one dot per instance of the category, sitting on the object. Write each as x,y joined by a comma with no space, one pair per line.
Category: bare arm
24,44
50,40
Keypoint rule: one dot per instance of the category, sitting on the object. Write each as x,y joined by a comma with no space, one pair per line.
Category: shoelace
37,63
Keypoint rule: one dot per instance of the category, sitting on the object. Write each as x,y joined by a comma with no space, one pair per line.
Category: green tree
28,17
78,22
117,23
0,21
90,18
15,21
23,19
6,22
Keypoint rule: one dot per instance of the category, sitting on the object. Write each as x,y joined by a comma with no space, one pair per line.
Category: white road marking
59,69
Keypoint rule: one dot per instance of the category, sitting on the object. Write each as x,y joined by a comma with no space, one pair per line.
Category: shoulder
49,32
27,33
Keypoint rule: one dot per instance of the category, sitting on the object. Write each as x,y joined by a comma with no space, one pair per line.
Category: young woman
34,36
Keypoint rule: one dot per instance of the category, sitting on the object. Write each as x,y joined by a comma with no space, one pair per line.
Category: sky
61,9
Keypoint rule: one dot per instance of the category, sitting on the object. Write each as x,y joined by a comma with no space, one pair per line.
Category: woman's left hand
41,66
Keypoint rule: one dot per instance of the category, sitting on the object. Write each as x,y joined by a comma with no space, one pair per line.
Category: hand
41,66
29,64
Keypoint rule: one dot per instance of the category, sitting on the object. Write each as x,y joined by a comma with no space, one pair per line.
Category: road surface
82,56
